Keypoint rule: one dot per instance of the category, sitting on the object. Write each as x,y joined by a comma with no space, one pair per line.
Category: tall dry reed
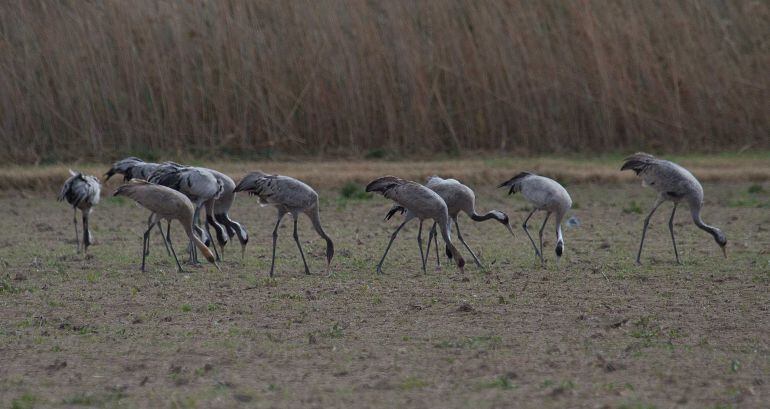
104,78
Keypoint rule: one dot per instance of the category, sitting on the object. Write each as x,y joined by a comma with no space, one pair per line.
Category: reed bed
249,79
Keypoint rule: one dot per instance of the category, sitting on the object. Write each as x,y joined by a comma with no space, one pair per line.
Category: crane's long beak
510,229
217,266
724,250
243,251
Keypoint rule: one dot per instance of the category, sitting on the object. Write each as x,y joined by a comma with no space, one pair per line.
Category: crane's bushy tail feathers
248,183
638,162
515,182
383,184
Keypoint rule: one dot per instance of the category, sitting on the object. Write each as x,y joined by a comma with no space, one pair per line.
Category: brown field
592,331
251,79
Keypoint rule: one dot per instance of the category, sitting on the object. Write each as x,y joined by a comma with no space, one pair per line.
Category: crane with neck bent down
545,194
288,195
458,198
675,184
165,204
420,203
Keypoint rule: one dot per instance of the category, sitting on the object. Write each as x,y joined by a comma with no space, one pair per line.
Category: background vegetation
248,78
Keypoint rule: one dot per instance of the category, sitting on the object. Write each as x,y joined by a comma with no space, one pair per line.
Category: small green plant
335,331
376,154
186,308
501,382
754,189
412,382
735,365
26,401
633,207
353,191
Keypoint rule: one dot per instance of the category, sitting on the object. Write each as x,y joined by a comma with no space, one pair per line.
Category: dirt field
592,331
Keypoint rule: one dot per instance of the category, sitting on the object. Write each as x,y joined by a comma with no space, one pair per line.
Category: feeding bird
421,203
200,186
545,194
676,184
288,195
459,197
165,204
132,168
82,192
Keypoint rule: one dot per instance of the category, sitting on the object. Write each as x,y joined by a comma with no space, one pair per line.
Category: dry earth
592,331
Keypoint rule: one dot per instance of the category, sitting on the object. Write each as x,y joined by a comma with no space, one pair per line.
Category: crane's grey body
200,186
421,203
673,183
545,194
82,192
165,204
288,195
460,198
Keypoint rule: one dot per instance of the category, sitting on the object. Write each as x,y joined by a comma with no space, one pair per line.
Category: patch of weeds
186,308
376,300
547,383
335,331
754,189
735,365
26,401
117,200
646,331
633,207
93,276
479,342
761,278
412,382
501,382
212,307
376,154
8,288
85,399
354,191
636,405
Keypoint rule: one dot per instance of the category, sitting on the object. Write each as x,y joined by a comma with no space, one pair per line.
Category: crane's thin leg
146,243
392,237
86,232
163,236
75,222
671,229
644,230
433,236
547,215
462,240
275,239
299,246
170,245
537,252
419,244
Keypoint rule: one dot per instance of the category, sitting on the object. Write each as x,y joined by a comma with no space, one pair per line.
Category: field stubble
592,330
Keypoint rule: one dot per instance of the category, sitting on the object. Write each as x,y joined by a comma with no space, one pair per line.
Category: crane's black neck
494,214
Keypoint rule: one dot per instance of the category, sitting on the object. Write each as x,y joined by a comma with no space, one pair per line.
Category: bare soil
594,330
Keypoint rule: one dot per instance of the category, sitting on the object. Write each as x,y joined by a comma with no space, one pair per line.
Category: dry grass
103,79
480,171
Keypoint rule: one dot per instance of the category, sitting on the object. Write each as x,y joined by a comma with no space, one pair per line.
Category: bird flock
171,191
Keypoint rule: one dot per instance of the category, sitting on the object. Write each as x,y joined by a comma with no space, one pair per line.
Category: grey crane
459,198
82,192
544,194
132,167
676,184
288,195
222,213
199,185
419,202
165,204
